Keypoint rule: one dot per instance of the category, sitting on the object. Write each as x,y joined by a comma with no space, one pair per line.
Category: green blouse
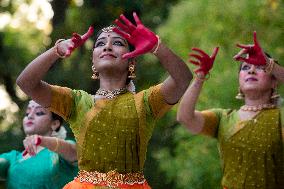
251,150
111,134
46,170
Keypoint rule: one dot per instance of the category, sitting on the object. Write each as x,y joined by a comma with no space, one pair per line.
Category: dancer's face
37,120
108,50
253,77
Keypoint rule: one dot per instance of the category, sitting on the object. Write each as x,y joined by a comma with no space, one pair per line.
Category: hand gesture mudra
64,48
30,144
143,39
255,54
203,60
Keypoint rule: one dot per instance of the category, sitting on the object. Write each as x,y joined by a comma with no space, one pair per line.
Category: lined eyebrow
101,38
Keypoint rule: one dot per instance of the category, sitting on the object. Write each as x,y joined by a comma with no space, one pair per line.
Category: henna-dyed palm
205,62
143,39
79,40
255,53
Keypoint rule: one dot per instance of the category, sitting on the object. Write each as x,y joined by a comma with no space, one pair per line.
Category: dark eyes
101,43
40,113
247,67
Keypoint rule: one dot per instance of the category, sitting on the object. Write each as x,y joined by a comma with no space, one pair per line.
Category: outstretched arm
187,115
30,80
65,149
144,41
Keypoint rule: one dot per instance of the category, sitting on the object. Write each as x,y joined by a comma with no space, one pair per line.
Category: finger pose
113,126
47,156
250,139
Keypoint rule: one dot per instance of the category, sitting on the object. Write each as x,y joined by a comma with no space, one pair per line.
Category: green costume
111,134
46,170
251,150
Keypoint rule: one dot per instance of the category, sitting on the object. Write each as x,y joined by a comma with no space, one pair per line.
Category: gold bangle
158,45
57,145
56,48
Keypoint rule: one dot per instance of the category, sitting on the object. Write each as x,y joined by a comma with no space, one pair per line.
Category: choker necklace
257,108
111,93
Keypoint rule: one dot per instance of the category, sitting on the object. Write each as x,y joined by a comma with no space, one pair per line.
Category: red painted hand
205,62
79,40
255,53
143,39
30,144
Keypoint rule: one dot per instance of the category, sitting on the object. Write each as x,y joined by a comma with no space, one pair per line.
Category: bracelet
57,145
200,78
56,48
158,45
270,66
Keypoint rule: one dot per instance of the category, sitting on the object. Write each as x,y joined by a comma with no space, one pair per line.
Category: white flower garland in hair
61,134
131,87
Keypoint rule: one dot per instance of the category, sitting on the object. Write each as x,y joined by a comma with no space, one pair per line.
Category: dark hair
57,117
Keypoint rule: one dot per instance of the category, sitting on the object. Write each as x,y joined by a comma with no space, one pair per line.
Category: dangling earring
240,95
274,94
131,70
95,73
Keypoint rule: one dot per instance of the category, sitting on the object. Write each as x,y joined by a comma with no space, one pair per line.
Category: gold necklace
111,93
258,107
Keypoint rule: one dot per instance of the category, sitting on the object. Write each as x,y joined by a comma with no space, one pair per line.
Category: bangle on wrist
56,48
57,145
202,78
158,45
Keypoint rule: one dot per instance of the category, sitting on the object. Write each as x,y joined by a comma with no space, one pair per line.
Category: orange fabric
62,101
76,184
210,123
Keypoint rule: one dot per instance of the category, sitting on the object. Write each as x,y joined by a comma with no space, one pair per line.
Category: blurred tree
175,159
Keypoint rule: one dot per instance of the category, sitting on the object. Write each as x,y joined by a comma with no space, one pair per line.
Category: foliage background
176,159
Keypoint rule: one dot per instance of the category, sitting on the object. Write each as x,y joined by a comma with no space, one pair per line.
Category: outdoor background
176,159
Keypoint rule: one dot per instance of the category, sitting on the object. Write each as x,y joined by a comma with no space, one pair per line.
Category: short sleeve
212,119
155,102
62,101
71,105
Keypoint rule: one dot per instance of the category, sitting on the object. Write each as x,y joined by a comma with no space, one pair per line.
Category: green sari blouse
111,134
251,150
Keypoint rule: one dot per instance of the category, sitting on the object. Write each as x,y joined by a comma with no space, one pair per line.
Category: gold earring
274,94
131,70
95,73
240,95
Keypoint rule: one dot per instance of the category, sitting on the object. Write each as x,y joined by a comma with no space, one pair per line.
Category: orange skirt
76,184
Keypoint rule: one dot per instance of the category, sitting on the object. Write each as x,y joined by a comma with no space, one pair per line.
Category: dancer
113,127
48,161
250,139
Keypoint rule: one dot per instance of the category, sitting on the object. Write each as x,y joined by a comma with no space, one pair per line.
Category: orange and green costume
112,134
251,150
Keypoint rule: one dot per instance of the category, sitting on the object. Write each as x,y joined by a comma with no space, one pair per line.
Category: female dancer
48,160
113,127
250,139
